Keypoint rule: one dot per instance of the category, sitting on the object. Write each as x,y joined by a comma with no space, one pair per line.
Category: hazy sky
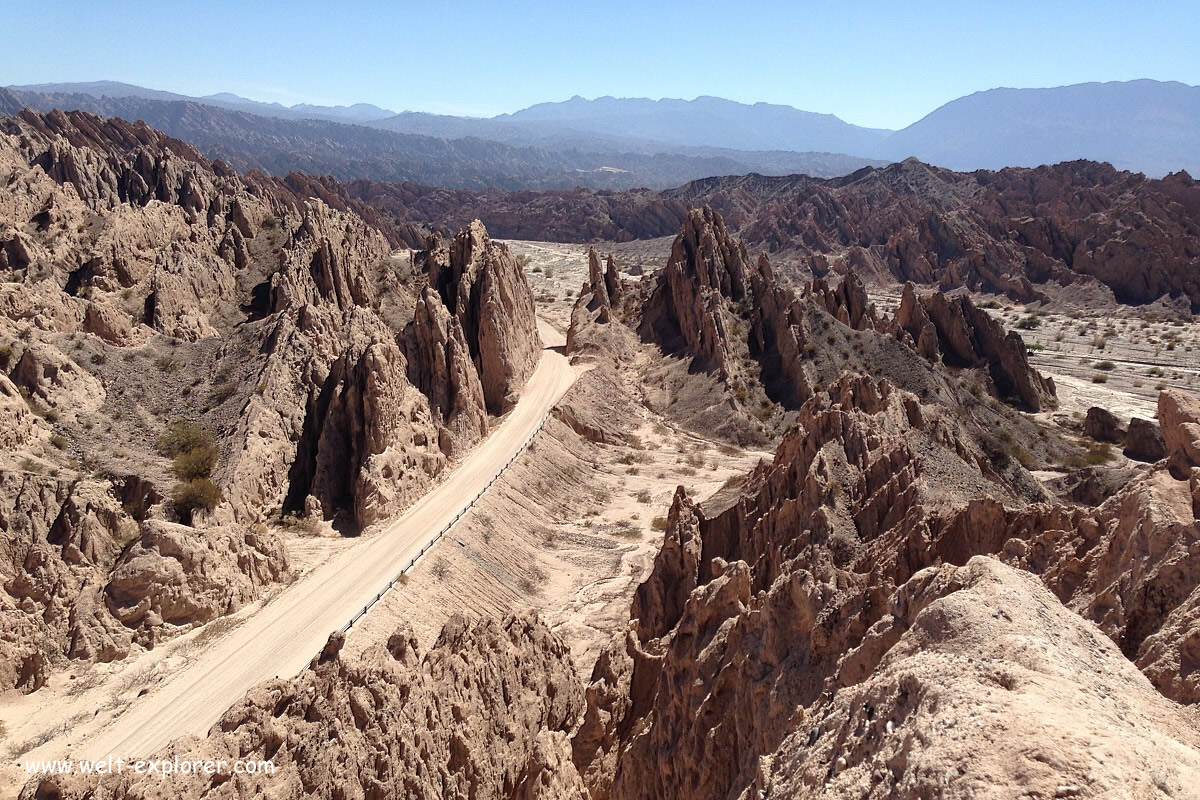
882,64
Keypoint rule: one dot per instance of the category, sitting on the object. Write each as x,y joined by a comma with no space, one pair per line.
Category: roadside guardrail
446,528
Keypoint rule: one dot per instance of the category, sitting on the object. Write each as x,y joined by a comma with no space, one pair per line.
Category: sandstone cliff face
176,575
440,366
483,286
485,713
707,265
378,447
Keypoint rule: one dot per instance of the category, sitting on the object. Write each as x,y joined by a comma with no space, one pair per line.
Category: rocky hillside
1012,231
188,355
744,352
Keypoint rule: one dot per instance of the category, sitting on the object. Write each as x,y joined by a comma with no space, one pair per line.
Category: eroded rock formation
484,287
147,287
767,347
485,713
826,632
952,328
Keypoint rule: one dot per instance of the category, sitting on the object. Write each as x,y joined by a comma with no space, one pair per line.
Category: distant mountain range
357,113
1142,126
1146,126
279,145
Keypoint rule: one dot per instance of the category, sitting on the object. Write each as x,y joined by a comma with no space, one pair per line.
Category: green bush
195,463
191,496
182,437
659,523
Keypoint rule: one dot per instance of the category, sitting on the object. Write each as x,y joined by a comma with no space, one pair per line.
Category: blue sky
881,64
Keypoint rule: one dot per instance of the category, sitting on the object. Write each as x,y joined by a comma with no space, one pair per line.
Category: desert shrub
59,441
626,530
1098,454
195,463
194,495
223,391
1099,377
643,496
182,437
1106,366
659,523
1028,323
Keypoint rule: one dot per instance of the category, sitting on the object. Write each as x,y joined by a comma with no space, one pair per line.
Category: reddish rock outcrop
378,448
686,311
597,286
1179,415
599,301
1004,231
966,336
612,281
439,364
772,636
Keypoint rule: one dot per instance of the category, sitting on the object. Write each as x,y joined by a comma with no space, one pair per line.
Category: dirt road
281,638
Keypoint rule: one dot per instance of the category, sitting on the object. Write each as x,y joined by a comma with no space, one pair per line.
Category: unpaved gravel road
281,638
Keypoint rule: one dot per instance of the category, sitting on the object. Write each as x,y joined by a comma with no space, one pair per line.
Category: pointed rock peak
967,336
847,302
468,242
596,277
705,250
485,289
764,267
612,280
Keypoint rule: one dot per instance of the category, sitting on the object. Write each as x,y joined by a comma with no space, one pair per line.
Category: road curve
282,638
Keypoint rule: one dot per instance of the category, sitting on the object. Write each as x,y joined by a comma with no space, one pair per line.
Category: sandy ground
557,271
